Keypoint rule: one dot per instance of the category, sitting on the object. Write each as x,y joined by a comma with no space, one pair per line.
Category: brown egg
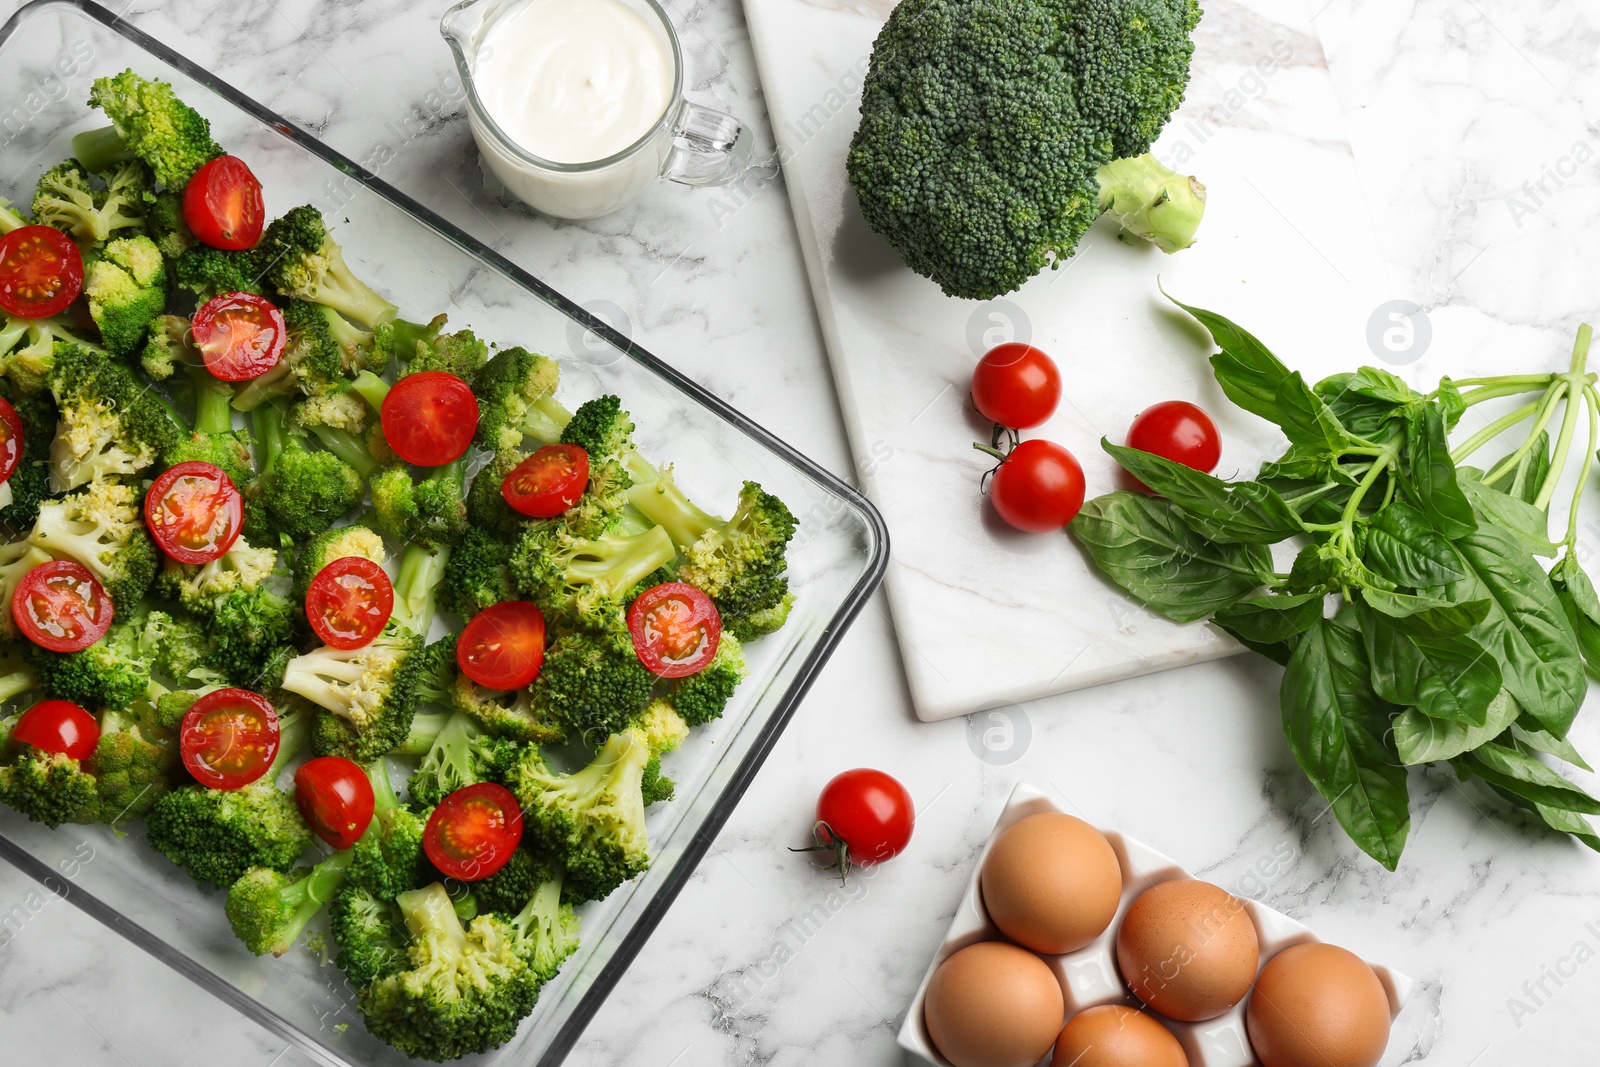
993,1005
1116,1036
1188,949
1051,882
1316,1005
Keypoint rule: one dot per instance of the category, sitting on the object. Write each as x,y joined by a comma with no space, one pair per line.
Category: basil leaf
1270,625
1420,739
1143,545
1429,483
1526,628
1306,419
1530,736
1402,546
1523,521
1366,400
1519,773
1307,463
1557,819
1444,677
1338,728
1400,605
1248,373
1452,405
1533,469
1582,607
1243,513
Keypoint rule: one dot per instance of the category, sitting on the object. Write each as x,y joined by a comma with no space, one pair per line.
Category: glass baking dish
50,51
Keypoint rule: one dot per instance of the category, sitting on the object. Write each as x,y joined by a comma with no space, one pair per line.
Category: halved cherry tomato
1016,385
864,816
349,602
502,647
429,418
473,831
229,738
239,335
194,512
548,482
1179,431
1038,487
675,629
11,441
58,726
61,606
335,798
41,272
222,205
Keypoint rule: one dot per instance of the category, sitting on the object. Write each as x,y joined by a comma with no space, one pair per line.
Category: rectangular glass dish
50,51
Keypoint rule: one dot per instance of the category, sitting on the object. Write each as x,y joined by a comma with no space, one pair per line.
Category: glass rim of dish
480,112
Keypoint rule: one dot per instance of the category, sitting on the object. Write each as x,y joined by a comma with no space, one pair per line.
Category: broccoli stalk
268,909
548,928
1152,201
100,149
460,756
305,263
299,493
9,220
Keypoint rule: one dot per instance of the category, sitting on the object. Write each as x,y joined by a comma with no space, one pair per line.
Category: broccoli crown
305,492
462,755
702,696
477,574
249,630
305,263
209,272
436,675
28,349
182,651
167,134
101,527
127,289
593,684
30,481
508,387
269,909
165,224
131,772
429,512
601,428
112,673
487,509
369,933
662,727
548,927
388,860
654,786
67,199
585,581
368,695
593,819
515,716
508,890
110,424
741,564
460,353
168,347
216,835
397,339
312,362
49,787
984,123
230,451
330,545
463,990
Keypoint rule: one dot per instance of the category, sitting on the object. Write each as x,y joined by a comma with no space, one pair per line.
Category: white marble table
1452,108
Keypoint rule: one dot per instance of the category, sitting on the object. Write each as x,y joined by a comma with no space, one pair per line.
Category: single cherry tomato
335,798
548,482
429,418
502,646
229,738
41,272
194,512
239,335
1179,431
58,726
675,629
222,205
11,440
61,606
349,602
473,831
1016,385
1038,487
863,817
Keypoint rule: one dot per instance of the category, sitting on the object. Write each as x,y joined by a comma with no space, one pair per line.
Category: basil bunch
1447,640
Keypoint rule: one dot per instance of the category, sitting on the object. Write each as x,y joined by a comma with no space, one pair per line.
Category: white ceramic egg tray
1089,976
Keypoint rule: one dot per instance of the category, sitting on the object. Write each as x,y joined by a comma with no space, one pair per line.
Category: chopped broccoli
302,492
654,786
29,484
740,564
149,121
462,755
515,715
110,423
17,558
388,859
209,272
28,349
67,199
487,509
166,226
101,527
397,339
10,220
122,779
662,727
585,580
114,672
16,679
592,684
49,787
430,512
478,574
132,772
127,289
702,696
241,599
514,400
314,362
269,909
369,933
305,263
460,353
330,545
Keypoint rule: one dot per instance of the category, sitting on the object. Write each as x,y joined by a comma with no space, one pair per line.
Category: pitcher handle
709,147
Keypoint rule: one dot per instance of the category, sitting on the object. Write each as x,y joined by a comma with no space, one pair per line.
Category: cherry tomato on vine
548,482
58,726
61,606
335,798
41,272
429,418
239,335
863,817
473,831
1038,487
675,629
229,738
1016,385
222,205
349,602
194,512
1179,431
502,646
11,440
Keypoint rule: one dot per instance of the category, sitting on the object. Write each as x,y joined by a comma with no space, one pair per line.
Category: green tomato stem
1569,421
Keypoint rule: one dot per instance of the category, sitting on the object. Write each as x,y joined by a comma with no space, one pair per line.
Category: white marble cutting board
987,617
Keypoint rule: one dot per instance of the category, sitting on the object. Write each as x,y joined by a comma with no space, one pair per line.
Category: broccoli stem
430,916
1152,201
349,295
17,682
371,388
9,220
405,336
267,422
542,908
425,729
100,150
213,403
348,447
421,570
294,733
384,797
545,420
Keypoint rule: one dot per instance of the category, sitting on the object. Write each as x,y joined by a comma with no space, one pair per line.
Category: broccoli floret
29,484
585,580
515,391
28,349
49,787
460,353
132,772
429,512
370,936
213,439
305,263
388,859
397,339
487,509
169,347
305,492
593,819
209,272
110,423
702,696
67,199
16,559
654,786
314,363
662,727
166,226
333,544
515,715
508,890
149,121
183,652
462,755
741,564
111,673
241,599
592,684
127,289
269,909
101,527
478,574
9,219
985,125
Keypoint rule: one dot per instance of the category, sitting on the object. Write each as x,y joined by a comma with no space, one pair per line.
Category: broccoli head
241,599
702,696
29,347
585,581
592,684
209,272
514,392
305,263
515,716
369,933
110,424
477,574
101,527
397,339
487,509
149,120
269,909
165,225
305,492
460,353
67,199
462,755
217,835
429,512
741,563
114,672
330,545
132,771
367,695
49,787
127,289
